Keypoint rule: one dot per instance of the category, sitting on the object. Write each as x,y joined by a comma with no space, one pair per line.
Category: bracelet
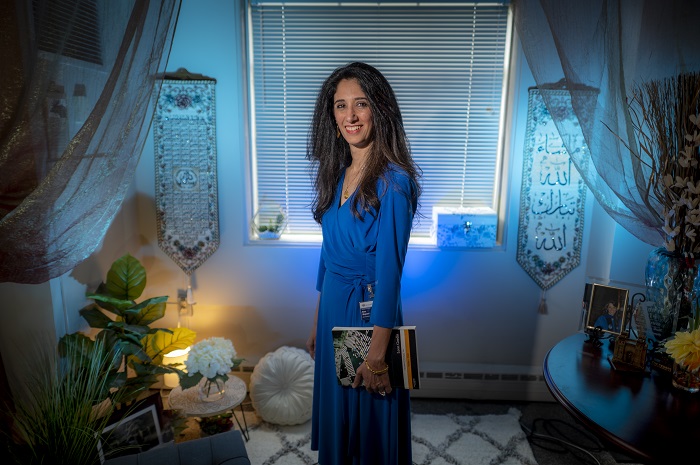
377,372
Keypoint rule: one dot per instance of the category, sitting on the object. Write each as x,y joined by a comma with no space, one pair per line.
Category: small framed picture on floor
132,429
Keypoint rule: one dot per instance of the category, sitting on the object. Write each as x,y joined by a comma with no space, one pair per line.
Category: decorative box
464,227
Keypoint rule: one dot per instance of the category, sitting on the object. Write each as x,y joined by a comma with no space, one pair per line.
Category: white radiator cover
482,382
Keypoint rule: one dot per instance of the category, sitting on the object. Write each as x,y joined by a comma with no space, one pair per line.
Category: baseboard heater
483,382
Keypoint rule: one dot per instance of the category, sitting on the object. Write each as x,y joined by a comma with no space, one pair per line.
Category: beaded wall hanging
552,198
185,169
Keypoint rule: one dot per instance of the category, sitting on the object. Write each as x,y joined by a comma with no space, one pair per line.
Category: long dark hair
330,154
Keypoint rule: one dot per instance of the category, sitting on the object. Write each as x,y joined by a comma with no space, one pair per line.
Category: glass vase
671,288
684,379
212,390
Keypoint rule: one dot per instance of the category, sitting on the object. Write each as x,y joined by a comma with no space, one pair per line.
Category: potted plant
269,222
124,328
60,414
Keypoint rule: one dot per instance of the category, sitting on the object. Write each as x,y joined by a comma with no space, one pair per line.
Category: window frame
498,199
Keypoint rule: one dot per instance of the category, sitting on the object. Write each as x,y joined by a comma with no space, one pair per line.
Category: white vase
212,390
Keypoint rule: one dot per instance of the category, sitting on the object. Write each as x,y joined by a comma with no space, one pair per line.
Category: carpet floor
452,431
437,440
556,438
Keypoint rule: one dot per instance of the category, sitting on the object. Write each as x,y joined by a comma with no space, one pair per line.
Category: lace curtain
77,79
610,47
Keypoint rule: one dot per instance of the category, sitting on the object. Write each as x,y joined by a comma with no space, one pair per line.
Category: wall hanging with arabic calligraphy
552,199
185,163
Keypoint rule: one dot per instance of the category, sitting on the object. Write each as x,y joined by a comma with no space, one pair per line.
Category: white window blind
445,61
79,17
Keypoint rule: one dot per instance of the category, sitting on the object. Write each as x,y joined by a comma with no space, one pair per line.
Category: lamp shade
176,357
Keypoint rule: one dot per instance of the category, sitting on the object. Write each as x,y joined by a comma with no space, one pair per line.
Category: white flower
668,180
680,182
671,246
671,233
693,218
211,357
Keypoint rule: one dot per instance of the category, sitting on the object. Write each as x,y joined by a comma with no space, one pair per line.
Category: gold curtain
610,46
77,79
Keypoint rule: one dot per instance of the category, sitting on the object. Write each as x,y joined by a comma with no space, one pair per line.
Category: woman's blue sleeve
321,272
395,220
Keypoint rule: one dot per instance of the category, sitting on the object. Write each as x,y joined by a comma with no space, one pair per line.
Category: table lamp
178,357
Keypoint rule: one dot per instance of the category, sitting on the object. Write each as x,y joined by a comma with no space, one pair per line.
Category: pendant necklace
346,193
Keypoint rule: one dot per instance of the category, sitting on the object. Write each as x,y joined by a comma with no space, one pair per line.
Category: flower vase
212,390
685,379
671,288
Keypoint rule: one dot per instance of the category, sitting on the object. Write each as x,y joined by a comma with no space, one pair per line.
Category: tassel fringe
543,303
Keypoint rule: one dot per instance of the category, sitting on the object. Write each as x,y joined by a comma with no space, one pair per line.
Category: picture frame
607,309
133,428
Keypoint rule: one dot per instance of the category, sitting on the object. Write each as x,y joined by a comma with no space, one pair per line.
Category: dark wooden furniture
640,413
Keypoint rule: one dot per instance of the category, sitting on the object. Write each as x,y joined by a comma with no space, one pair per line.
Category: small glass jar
684,379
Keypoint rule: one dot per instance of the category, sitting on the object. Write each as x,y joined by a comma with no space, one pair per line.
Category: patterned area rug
437,440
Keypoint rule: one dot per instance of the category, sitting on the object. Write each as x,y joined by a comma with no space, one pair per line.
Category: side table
641,414
189,404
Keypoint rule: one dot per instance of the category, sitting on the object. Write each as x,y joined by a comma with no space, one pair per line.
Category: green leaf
136,331
126,279
94,317
125,344
111,304
188,380
146,312
77,344
160,343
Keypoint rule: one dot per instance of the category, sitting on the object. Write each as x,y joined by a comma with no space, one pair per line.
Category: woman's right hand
311,343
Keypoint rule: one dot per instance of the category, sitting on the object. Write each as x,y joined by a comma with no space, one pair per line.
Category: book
351,344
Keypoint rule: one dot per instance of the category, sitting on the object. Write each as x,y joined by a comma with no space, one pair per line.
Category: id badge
366,310
366,306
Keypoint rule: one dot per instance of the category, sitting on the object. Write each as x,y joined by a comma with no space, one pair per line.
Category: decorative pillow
281,386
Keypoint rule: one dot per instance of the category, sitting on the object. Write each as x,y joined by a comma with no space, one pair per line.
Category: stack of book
351,345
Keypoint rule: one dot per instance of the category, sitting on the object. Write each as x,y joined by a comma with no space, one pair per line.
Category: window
80,18
446,62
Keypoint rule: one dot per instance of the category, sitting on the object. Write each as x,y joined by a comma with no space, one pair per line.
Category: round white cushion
281,386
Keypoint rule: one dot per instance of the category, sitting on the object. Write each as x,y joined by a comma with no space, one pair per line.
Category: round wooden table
640,413
188,402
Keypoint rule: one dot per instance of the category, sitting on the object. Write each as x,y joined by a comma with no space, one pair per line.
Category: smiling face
353,114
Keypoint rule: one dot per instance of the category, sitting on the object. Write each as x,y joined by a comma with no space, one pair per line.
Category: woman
366,196
608,319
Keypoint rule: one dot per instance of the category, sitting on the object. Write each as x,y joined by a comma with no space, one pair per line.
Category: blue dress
352,426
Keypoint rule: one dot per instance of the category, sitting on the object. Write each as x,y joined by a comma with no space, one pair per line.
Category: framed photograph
134,428
607,309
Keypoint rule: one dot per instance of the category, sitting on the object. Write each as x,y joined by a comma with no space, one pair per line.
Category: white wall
471,307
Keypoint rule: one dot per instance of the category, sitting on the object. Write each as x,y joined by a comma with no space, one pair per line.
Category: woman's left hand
377,384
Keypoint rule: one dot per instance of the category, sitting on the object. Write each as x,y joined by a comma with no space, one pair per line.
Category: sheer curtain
610,46
77,79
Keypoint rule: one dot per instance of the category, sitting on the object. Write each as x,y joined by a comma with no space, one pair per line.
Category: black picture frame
132,429
600,297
